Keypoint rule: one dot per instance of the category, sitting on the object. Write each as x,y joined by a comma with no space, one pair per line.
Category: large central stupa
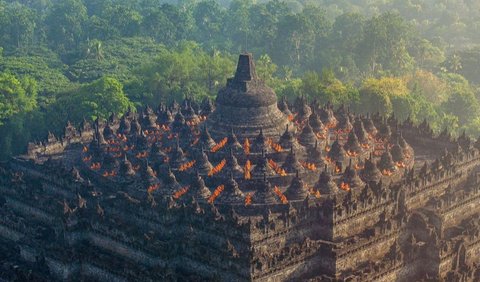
246,105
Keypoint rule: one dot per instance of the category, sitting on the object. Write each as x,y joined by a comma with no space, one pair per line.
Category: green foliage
99,28
159,26
385,44
454,63
447,121
426,54
470,60
308,38
376,95
186,72
390,95
473,127
118,58
428,85
463,104
404,107
16,96
93,100
14,135
288,88
427,111
209,17
297,36
325,87
65,24
126,20
17,25
266,69
416,59
372,101
47,72
238,22
17,102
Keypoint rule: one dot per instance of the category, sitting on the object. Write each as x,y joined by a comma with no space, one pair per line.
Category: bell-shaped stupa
246,105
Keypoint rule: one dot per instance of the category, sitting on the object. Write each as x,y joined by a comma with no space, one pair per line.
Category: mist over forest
69,60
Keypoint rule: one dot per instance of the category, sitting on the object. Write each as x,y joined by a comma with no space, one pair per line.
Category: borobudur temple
246,188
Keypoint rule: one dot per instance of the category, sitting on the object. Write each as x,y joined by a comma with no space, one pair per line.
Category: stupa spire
245,68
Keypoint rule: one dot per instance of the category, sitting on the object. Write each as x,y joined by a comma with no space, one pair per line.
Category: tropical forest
73,60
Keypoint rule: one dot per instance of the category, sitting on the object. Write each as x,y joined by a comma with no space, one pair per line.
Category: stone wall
371,250
360,220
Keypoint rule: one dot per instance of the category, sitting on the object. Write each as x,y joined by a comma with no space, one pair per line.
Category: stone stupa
246,105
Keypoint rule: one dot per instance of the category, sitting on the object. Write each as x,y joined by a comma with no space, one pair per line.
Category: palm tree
454,63
94,50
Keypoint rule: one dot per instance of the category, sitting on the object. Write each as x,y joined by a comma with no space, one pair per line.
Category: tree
95,50
17,103
404,106
385,44
473,127
264,20
295,41
97,99
46,69
100,28
15,96
182,17
454,63
125,19
449,122
470,59
428,85
157,25
455,81
266,69
325,88
426,54
187,71
96,7
463,104
169,75
376,95
290,88
209,18
65,24
340,49
20,129
17,26
121,60
238,23
218,67
348,32
423,109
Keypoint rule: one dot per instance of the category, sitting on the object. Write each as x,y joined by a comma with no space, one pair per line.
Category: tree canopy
16,96
66,60
97,99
